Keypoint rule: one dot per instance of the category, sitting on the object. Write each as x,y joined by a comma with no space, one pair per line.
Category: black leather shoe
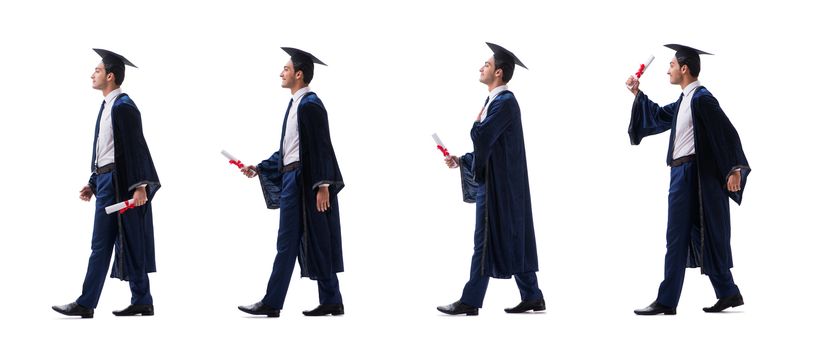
457,308
724,303
655,308
326,309
526,305
132,310
260,309
73,309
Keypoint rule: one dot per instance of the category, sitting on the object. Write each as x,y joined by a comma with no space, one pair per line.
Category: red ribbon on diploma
444,150
237,163
128,206
640,71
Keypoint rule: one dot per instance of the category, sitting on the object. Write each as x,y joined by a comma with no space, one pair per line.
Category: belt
105,169
291,167
682,160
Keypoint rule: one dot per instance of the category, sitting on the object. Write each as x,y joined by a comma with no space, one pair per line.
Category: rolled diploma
650,60
118,206
233,160
440,145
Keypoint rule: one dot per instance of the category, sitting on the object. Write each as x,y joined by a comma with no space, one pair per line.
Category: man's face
676,72
99,77
487,72
288,75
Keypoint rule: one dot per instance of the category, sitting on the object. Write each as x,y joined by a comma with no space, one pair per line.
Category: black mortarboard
302,56
110,57
502,53
686,51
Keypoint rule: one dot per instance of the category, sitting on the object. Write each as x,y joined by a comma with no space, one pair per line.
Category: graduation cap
110,57
686,51
689,56
297,55
502,53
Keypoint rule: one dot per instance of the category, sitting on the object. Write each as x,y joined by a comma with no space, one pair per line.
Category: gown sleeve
648,118
270,177
724,141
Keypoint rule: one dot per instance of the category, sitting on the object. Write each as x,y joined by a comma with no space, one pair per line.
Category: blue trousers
287,247
103,239
475,289
682,218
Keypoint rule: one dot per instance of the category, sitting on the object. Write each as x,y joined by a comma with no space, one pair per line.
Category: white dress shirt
105,148
290,143
492,94
684,144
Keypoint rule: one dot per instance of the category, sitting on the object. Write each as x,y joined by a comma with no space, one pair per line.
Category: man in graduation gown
495,178
122,169
302,179
708,166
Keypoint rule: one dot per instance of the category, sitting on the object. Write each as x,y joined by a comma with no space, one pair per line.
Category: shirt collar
690,88
301,92
496,91
112,95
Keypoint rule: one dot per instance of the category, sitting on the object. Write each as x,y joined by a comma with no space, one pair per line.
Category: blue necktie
673,132
95,142
284,125
483,108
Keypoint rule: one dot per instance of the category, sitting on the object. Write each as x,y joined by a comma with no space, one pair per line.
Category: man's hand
140,196
452,161
249,171
323,199
632,84
734,181
86,193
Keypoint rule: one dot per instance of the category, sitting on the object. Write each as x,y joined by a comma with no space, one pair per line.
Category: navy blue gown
320,251
718,152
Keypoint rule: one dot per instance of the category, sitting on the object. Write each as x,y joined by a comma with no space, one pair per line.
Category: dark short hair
306,67
117,69
506,64
691,60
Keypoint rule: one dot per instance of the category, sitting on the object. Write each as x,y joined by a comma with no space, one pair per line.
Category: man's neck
296,88
686,82
108,89
495,85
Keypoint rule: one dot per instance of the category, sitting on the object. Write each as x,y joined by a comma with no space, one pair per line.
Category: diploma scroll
440,145
642,68
233,160
120,207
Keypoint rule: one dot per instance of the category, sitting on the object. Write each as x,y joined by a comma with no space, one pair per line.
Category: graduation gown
498,166
135,241
718,151
320,248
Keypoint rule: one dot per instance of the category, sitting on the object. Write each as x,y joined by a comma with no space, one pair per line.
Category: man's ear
110,76
300,75
499,73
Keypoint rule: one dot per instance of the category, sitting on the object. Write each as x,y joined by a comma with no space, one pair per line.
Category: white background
208,80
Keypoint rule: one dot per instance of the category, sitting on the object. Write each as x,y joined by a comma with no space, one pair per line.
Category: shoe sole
731,306
669,313
260,314
535,309
82,316
334,313
468,313
136,314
